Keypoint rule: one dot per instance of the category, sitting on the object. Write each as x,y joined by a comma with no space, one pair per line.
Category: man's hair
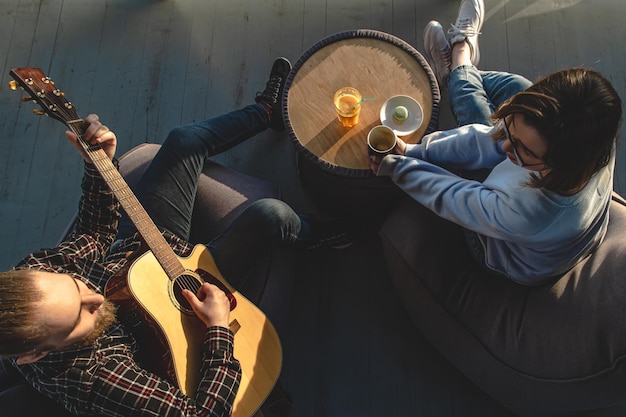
578,113
20,331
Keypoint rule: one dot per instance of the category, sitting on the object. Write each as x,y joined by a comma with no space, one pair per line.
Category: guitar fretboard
131,205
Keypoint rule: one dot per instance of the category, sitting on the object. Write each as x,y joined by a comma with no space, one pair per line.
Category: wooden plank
314,25
7,38
346,15
79,22
24,221
199,77
301,343
118,69
603,51
122,53
347,344
494,37
158,26
171,80
17,50
57,170
230,68
381,17
408,23
520,49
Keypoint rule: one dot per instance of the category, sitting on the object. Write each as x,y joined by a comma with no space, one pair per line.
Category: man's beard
106,317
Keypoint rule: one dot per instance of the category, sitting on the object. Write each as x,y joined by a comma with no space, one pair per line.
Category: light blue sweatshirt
528,234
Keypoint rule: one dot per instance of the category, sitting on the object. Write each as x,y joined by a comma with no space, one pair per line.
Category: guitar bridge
234,326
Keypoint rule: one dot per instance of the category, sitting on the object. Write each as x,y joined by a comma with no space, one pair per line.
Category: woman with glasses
549,148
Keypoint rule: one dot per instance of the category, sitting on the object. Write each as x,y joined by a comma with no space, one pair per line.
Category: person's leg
438,46
251,238
455,61
168,188
500,86
464,51
468,99
467,27
265,224
474,94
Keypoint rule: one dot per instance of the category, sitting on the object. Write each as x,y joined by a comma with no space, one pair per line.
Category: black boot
272,96
336,233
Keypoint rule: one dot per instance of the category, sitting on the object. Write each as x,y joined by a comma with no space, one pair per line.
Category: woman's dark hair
578,113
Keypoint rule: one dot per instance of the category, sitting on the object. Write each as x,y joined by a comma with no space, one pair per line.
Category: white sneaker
468,25
437,50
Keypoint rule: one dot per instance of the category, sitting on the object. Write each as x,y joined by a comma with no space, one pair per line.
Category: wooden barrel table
332,159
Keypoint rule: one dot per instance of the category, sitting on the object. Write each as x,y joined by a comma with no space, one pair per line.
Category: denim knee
275,217
183,138
468,99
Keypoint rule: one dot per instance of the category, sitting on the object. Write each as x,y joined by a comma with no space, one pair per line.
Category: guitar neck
131,205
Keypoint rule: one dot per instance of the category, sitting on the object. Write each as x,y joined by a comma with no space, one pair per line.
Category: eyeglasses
514,143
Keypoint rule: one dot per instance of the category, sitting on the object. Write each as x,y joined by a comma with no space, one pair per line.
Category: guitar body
173,340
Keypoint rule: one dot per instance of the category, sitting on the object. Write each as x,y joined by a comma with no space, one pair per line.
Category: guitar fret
131,207
152,237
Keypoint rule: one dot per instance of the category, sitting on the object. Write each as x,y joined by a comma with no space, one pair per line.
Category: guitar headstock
43,91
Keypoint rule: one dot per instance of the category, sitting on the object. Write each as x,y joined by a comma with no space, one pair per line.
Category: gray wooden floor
146,66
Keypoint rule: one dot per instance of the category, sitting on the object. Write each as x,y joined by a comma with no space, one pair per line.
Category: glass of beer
348,105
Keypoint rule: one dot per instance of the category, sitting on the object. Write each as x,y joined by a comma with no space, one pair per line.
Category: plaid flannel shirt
104,378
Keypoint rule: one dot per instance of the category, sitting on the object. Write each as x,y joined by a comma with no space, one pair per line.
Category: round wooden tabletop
377,64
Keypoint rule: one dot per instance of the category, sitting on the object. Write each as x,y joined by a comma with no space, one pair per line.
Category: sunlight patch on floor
537,8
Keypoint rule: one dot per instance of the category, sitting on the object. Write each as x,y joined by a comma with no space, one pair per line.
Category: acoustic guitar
148,291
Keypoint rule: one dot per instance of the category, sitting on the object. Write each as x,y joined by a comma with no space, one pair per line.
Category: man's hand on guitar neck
210,305
95,133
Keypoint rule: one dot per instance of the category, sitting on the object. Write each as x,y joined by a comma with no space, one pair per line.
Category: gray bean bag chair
540,351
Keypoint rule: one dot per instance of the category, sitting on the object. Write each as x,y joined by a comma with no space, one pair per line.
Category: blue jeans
168,189
475,94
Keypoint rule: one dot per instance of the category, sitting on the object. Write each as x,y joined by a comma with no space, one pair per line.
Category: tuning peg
39,112
13,85
27,98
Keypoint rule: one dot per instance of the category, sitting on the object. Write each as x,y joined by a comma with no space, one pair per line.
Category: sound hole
211,279
186,281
